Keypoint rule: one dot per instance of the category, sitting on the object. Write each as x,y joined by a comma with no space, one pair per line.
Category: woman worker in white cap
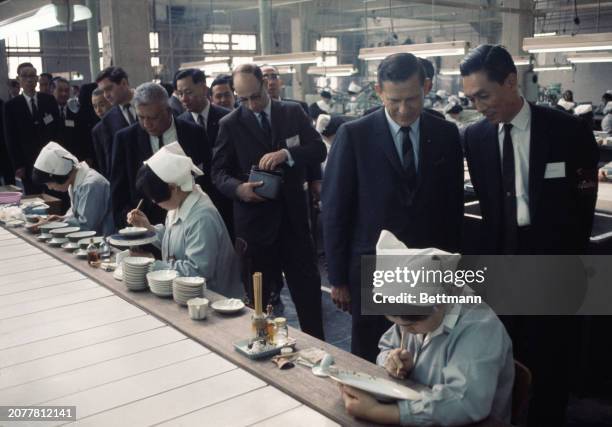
89,191
194,240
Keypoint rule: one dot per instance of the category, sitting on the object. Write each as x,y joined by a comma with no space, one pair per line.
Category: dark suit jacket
112,122
561,214
313,173
100,154
132,147
6,169
75,138
176,105
363,191
27,135
212,123
241,144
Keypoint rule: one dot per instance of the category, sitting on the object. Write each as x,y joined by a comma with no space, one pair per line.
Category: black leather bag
272,181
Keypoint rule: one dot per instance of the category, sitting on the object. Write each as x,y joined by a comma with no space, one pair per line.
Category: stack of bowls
73,239
135,270
46,228
160,282
185,288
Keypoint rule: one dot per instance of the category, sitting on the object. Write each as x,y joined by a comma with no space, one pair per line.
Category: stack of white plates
135,270
160,282
185,288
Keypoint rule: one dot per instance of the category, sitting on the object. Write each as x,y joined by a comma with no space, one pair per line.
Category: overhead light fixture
553,68
577,43
209,67
449,72
47,16
553,33
521,60
289,58
583,58
342,70
286,69
423,50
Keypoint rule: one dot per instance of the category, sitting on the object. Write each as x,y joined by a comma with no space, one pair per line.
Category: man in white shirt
534,170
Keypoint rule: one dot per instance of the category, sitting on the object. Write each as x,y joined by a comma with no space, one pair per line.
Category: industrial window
223,42
24,47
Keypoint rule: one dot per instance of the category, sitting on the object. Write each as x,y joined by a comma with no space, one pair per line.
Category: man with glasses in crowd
275,136
31,121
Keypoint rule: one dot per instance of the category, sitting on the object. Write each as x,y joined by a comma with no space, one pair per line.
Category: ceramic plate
75,237
84,242
53,225
64,230
381,388
132,231
232,305
57,241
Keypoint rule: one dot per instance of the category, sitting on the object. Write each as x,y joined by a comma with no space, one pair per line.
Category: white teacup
198,308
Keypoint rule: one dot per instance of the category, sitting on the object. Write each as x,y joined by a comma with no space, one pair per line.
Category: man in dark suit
397,169
113,81
534,170
274,136
156,127
193,93
222,92
31,121
7,175
71,131
100,106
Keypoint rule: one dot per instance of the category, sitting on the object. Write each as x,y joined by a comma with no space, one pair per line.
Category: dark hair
57,80
334,124
196,75
607,97
152,186
568,95
428,68
13,83
400,67
325,94
23,65
41,178
97,92
47,75
223,79
455,109
494,60
169,88
249,69
114,74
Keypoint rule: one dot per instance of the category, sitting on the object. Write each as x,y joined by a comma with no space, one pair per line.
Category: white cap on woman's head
55,160
172,166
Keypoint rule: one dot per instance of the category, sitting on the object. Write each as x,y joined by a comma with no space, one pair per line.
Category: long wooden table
72,335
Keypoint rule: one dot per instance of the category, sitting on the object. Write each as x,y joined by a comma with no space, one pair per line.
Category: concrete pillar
4,77
516,26
92,39
265,30
299,78
125,35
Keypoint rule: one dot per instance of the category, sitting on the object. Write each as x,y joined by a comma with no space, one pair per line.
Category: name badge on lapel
294,141
69,123
47,119
555,170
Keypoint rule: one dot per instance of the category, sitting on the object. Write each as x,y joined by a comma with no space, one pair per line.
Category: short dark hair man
113,81
534,170
222,92
276,136
31,121
45,83
397,169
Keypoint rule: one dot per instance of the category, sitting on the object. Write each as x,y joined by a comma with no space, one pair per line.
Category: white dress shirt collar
28,98
204,113
268,110
522,120
169,136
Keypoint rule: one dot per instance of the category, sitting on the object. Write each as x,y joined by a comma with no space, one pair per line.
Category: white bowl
132,231
137,261
162,275
190,281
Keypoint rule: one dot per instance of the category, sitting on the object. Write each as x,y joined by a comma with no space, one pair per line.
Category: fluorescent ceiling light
583,58
209,67
521,60
421,50
342,70
289,58
577,43
286,69
553,68
554,33
47,16
449,72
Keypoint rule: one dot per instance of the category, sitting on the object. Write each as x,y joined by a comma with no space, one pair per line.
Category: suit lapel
276,120
381,129
144,143
251,124
491,163
426,151
538,152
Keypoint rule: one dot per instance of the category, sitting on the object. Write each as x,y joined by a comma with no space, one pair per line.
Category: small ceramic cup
198,308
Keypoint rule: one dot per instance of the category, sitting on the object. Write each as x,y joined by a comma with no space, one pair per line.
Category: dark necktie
201,120
131,118
34,109
510,231
63,113
265,124
409,163
161,141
